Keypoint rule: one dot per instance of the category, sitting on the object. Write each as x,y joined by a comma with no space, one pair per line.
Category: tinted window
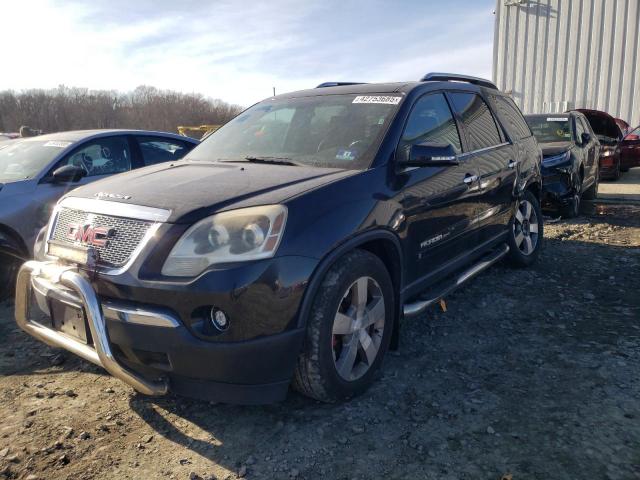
102,156
157,149
512,118
430,121
481,128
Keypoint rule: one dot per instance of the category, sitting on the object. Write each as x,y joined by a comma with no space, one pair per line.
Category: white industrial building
554,55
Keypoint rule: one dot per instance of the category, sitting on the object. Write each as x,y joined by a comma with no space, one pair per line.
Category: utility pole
274,91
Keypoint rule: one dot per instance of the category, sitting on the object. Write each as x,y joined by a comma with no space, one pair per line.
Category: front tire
348,330
9,266
572,210
526,231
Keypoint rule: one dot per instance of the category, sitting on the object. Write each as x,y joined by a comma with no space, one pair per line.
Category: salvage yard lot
532,373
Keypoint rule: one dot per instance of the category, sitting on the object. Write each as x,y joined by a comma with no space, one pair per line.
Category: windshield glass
339,131
23,159
550,129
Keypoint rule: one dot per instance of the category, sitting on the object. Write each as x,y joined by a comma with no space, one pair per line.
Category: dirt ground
530,374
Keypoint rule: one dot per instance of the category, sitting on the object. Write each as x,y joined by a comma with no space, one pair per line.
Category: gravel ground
529,374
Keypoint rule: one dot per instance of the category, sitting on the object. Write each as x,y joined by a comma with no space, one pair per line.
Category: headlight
233,236
607,152
556,159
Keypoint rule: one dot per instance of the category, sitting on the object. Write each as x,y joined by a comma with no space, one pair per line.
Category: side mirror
632,137
68,173
431,154
585,138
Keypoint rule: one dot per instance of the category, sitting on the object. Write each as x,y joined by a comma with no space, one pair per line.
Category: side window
157,149
478,120
512,118
430,120
102,156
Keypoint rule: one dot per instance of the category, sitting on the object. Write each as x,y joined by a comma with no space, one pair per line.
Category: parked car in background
8,136
609,135
289,244
630,150
570,153
35,172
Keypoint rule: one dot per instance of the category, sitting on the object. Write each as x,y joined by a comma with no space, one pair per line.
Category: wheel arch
535,187
11,241
381,243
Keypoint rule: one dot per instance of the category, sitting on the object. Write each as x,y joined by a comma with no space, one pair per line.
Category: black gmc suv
287,247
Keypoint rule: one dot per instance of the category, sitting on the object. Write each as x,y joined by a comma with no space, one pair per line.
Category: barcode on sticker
53,143
385,100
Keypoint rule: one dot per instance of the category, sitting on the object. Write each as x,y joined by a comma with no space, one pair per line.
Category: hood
555,148
193,190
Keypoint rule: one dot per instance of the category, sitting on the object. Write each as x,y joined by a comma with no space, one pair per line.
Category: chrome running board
420,306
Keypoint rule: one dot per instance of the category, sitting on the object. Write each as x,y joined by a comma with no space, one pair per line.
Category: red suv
630,150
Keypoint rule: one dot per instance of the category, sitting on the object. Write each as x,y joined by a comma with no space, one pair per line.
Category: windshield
550,129
339,131
23,159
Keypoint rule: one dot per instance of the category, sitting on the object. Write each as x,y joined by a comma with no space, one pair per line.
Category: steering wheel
86,162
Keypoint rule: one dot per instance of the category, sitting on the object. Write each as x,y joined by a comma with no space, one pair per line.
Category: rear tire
616,174
348,330
526,231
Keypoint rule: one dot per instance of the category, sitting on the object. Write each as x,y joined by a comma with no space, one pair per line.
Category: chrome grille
127,234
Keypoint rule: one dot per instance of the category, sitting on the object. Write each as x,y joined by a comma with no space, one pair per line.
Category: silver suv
35,172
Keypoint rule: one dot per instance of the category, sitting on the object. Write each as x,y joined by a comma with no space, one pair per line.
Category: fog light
218,319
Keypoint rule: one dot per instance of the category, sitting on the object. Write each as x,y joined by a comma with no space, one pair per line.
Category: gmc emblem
89,235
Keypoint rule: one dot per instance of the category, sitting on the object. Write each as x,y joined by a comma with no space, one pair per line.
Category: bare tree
146,107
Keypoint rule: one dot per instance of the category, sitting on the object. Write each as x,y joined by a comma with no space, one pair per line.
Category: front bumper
149,348
557,188
609,166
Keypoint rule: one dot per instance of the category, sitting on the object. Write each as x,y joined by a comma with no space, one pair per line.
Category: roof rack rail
338,84
446,77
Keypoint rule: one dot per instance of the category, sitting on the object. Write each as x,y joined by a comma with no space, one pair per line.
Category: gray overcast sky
238,51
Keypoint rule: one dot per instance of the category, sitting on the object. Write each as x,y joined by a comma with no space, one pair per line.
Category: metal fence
554,55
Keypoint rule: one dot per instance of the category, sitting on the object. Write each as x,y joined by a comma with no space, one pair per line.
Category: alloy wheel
358,328
525,228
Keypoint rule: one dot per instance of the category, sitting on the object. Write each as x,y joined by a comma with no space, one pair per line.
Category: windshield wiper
269,160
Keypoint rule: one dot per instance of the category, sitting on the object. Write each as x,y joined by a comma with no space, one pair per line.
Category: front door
439,202
99,158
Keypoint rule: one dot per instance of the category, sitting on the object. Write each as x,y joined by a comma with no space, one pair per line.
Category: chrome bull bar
100,353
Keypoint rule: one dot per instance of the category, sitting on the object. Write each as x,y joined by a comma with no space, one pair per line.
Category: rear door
495,159
439,202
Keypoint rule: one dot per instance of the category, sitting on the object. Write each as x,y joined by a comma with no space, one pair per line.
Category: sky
239,50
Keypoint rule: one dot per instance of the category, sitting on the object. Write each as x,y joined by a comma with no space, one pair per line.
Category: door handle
512,163
469,179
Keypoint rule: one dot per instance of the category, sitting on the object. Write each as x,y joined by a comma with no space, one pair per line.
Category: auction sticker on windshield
53,143
386,100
